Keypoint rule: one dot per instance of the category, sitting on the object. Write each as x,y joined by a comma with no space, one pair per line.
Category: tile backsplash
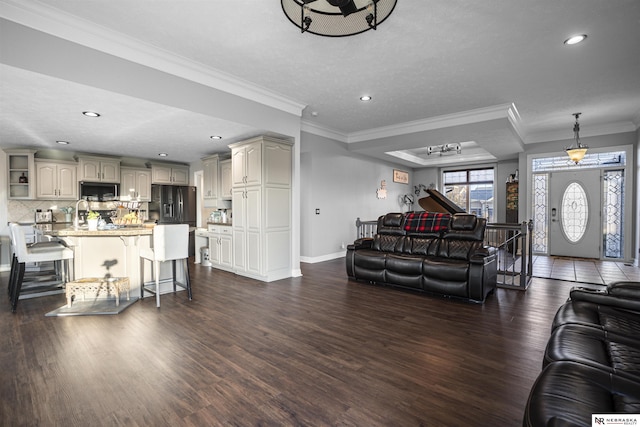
24,210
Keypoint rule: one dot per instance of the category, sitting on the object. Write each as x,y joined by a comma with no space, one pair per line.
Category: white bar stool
170,243
39,252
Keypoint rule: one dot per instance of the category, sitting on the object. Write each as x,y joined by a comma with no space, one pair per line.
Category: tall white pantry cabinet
261,171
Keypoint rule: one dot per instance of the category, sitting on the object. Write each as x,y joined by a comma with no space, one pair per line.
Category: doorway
575,202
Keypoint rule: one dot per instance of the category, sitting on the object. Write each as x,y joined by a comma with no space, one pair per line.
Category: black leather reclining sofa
428,252
592,360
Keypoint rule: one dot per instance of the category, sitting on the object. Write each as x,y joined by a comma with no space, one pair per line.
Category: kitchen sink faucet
76,220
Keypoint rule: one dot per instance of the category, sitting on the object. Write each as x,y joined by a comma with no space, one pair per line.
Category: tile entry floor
584,270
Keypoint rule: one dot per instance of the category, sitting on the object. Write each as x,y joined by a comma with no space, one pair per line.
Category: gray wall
343,186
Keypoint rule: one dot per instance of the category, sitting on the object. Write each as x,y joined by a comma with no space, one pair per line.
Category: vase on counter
93,224
67,217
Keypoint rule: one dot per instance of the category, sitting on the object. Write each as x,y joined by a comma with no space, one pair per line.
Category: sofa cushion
426,222
458,249
404,270
425,246
391,223
369,259
466,227
567,393
445,269
605,350
387,243
608,318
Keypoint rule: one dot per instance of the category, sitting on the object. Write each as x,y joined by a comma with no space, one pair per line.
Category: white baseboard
328,257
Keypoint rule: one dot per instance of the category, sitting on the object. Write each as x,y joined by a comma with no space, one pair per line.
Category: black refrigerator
175,204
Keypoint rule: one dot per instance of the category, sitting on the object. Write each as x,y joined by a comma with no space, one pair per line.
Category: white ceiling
456,71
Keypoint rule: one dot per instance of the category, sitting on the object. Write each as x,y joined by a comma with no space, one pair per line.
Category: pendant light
576,154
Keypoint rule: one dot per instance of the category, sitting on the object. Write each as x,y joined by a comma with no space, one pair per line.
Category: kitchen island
111,253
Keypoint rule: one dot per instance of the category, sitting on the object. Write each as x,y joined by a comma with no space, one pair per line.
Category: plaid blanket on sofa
427,222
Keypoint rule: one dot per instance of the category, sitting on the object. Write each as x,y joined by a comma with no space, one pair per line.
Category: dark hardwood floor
318,350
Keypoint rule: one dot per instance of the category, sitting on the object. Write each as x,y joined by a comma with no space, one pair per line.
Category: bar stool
41,252
170,243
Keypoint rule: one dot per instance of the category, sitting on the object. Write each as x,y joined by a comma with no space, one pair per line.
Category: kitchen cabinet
169,174
221,247
261,199
98,169
210,181
246,164
56,180
20,174
135,184
225,180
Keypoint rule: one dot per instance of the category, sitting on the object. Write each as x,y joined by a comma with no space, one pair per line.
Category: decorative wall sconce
408,200
445,148
381,193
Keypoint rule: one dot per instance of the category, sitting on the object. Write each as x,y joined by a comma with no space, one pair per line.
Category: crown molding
52,21
316,129
559,135
478,115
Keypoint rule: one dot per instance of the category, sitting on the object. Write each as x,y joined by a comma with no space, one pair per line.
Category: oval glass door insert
575,212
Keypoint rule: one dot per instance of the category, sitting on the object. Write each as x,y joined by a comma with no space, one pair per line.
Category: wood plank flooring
318,350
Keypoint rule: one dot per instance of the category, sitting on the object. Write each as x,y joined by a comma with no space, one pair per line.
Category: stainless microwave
99,191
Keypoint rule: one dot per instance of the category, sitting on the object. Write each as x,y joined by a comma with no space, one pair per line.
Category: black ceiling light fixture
337,18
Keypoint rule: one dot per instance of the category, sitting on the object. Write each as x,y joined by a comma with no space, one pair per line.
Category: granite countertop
228,224
64,230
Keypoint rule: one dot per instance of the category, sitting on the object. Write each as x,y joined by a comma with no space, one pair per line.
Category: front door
575,203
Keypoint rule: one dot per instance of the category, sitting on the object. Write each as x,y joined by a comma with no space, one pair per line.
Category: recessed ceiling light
365,98
575,39
162,154
215,137
91,114
63,142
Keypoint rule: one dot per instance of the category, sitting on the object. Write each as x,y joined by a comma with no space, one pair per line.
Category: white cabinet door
89,170
238,166
143,185
253,215
67,182
161,174
46,180
127,184
135,184
239,229
210,179
110,171
180,176
225,180
226,251
253,162
214,250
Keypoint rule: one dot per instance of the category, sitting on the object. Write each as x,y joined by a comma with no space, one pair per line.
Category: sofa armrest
480,255
363,243
625,290
621,297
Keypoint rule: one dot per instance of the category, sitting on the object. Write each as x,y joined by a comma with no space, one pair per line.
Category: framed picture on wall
400,176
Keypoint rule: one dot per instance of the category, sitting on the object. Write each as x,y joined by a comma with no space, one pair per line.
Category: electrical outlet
317,211
342,245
